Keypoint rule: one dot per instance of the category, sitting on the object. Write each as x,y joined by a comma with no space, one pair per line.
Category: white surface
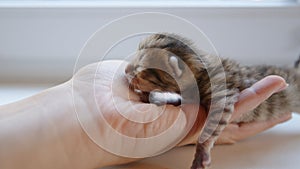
145,3
14,92
278,148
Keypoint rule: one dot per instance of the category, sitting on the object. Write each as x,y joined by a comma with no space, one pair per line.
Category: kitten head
154,69
163,62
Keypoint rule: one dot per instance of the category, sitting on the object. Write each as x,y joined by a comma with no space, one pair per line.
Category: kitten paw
202,158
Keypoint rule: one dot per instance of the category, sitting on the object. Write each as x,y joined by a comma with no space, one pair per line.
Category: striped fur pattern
218,93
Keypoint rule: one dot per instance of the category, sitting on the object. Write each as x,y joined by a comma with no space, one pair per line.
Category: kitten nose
129,69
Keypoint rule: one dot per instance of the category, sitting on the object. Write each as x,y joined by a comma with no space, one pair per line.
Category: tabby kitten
180,62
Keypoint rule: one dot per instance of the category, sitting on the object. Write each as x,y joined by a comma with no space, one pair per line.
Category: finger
196,117
236,132
251,97
228,135
249,129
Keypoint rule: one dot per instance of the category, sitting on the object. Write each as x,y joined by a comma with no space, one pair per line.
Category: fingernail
286,117
286,85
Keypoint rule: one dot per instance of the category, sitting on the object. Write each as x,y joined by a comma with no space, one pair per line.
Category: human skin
43,131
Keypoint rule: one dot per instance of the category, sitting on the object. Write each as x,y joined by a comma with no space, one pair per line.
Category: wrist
42,131
78,149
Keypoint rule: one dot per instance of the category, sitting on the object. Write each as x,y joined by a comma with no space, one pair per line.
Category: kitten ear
175,65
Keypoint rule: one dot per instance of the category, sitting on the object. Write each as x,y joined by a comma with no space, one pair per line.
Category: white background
40,42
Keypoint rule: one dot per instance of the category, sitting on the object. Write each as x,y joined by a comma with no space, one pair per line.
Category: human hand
123,113
249,99
114,118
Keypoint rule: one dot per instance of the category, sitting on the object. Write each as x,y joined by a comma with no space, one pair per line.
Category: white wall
41,44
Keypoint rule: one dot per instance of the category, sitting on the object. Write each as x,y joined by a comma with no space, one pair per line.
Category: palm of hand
116,112
113,117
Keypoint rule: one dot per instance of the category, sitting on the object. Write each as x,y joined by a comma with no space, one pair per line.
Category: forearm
43,132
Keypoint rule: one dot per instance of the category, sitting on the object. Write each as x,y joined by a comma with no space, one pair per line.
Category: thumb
251,97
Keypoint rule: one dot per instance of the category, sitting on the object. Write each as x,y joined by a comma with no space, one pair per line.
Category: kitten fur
176,54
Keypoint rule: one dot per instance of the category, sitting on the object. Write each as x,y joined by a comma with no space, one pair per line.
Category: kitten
179,62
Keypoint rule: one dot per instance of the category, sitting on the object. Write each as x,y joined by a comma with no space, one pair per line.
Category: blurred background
40,40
